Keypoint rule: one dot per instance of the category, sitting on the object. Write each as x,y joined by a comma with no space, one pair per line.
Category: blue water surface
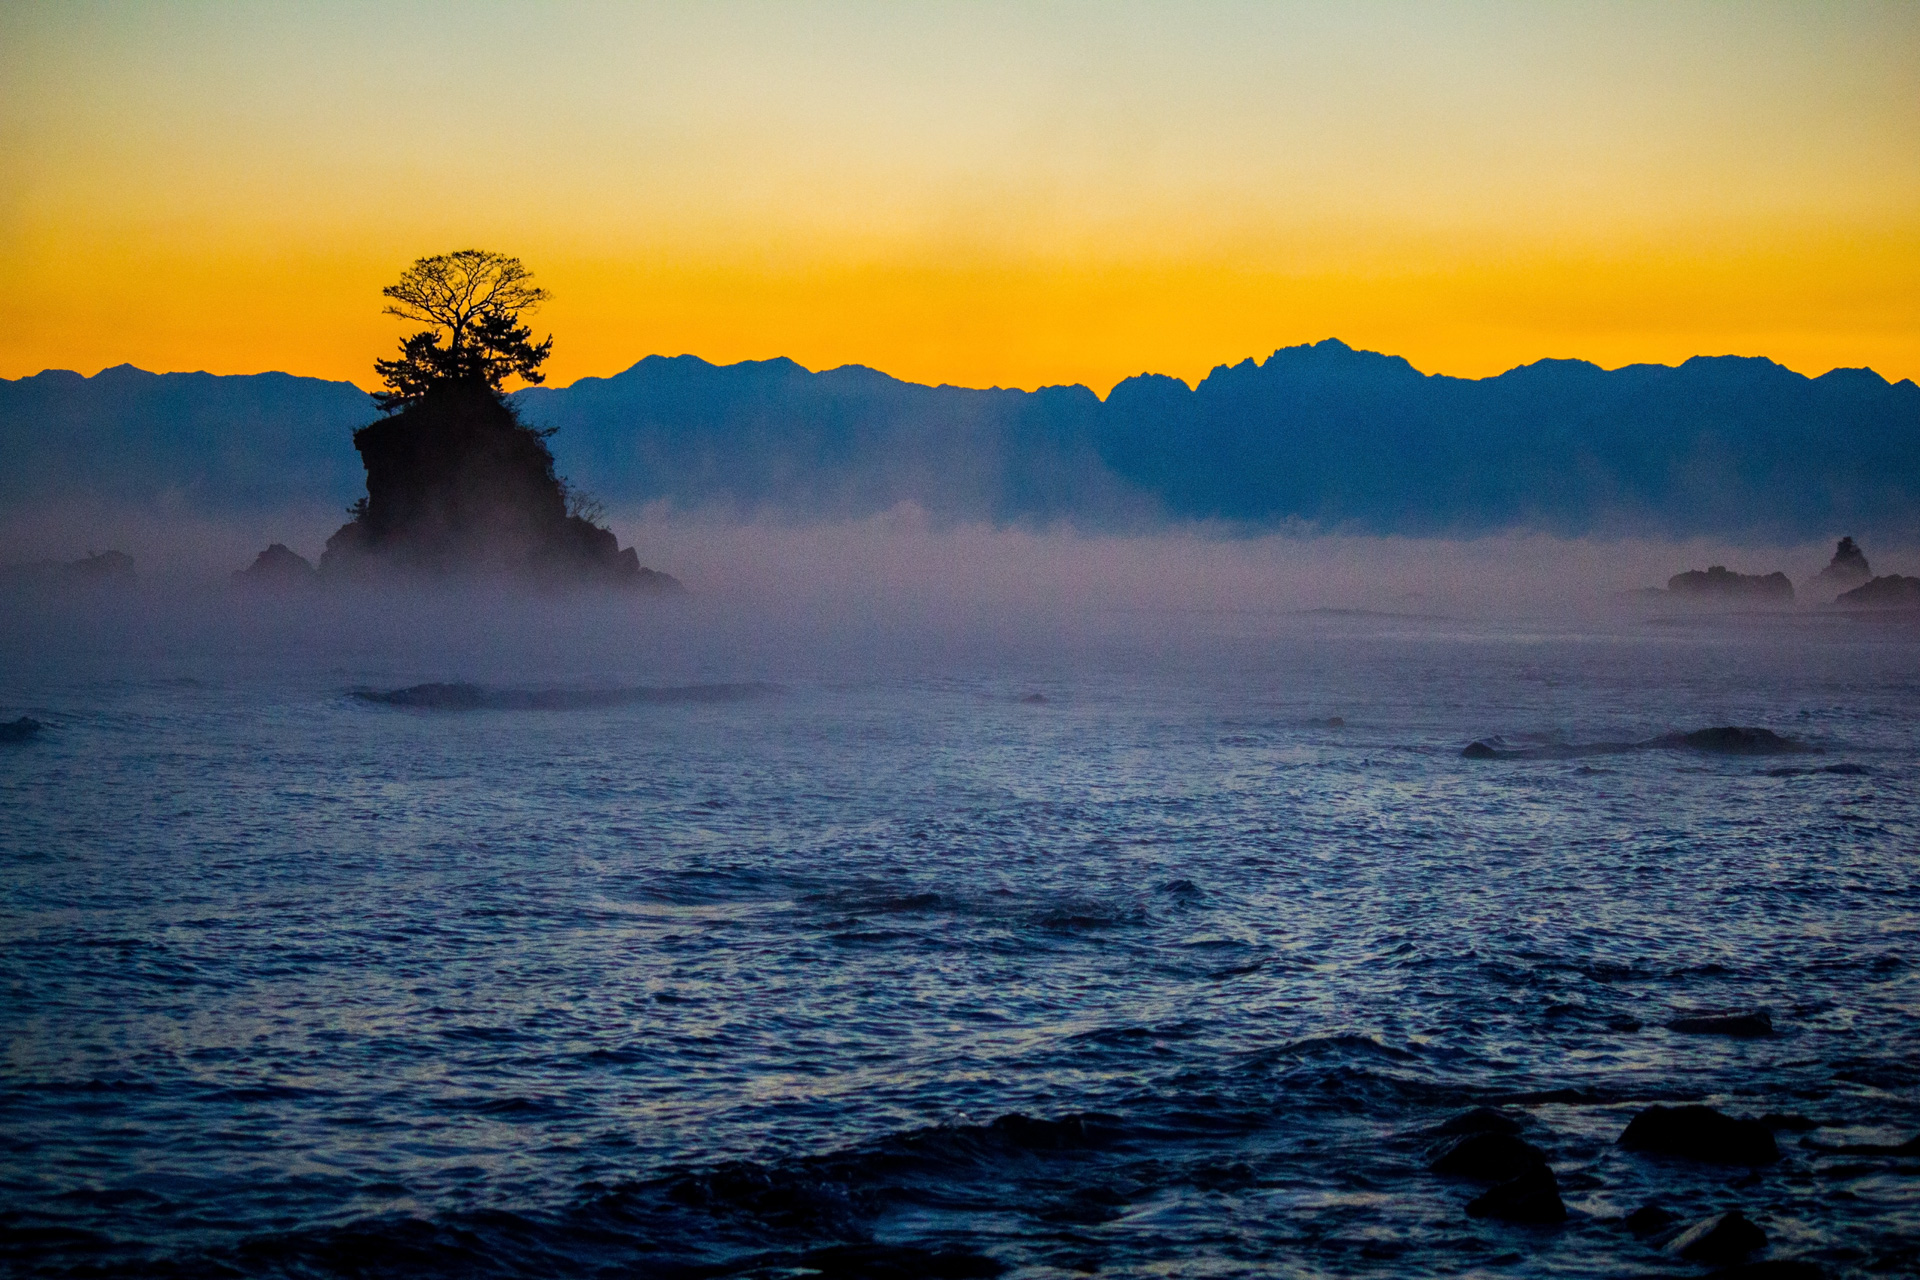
1146,948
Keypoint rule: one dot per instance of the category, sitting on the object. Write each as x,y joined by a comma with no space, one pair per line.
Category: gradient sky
981,194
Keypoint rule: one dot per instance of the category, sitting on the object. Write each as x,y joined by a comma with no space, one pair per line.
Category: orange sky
977,194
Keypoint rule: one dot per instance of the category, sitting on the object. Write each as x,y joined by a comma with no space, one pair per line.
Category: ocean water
1160,948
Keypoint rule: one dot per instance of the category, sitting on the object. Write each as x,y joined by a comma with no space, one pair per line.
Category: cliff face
456,484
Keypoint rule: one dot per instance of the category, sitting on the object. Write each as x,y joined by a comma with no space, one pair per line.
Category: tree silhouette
474,300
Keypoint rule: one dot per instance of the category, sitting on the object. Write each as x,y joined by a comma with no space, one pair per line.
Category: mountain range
1320,436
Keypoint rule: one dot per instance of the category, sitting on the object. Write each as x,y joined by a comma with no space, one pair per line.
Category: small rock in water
1650,1220
1489,1157
19,730
1034,699
1723,1238
439,697
1733,739
1741,1026
1479,1120
1533,1196
1702,1134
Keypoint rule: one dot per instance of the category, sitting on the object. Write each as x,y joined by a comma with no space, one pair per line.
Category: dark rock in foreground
1743,1026
1650,1220
20,730
278,566
1892,591
1723,1238
1489,1156
1721,583
1479,1120
1533,1196
457,484
1701,1134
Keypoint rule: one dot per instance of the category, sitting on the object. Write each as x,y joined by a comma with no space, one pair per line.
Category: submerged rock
1725,739
1892,591
1723,1238
19,730
1701,1134
1741,1026
278,566
1735,740
1650,1220
1479,1120
1533,1196
1721,583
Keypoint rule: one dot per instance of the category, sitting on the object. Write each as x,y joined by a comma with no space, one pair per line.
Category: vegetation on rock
456,482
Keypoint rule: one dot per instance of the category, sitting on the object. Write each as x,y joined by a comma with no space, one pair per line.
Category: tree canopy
474,301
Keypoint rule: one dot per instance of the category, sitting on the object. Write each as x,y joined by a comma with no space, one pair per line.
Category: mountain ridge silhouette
1318,435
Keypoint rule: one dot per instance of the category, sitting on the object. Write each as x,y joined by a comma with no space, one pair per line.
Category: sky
982,194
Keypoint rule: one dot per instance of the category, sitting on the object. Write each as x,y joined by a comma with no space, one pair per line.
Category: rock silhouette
1848,568
1738,740
1533,1196
1488,1156
457,484
1701,1134
1889,591
1721,583
1744,1026
20,730
278,566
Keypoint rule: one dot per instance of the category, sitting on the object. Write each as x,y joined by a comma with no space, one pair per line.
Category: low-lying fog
771,599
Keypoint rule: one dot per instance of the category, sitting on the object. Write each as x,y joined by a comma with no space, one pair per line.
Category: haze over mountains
1318,436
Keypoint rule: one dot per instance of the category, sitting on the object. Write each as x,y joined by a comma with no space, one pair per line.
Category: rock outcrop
457,484
1891,591
278,566
1722,583
1734,740
1847,569
1702,1134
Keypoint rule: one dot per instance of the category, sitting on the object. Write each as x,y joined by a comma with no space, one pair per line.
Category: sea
546,938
